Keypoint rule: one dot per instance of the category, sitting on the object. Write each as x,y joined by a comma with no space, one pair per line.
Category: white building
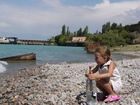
78,39
4,40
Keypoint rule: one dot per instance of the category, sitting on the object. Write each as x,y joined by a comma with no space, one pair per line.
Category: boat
24,57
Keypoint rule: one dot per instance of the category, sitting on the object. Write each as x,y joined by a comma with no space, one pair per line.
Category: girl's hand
86,73
92,76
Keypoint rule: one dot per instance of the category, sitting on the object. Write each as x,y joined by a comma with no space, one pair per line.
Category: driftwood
30,56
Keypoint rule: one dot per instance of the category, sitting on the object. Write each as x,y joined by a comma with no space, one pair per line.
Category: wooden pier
32,42
14,40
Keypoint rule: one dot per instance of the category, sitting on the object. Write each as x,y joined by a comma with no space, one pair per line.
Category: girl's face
99,59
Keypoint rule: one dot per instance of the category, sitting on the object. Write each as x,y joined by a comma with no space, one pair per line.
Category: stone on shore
60,84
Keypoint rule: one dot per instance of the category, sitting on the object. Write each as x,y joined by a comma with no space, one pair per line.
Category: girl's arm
105,75
93,71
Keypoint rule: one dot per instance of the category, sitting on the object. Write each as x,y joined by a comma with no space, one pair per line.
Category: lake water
47,54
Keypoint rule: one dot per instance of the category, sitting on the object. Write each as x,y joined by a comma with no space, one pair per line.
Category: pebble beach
60,84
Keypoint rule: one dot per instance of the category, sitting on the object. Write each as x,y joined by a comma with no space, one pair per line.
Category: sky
43,19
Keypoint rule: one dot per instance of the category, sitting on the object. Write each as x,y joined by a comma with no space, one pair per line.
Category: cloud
108,10
2,24
52,3
47,18
129,17
105,4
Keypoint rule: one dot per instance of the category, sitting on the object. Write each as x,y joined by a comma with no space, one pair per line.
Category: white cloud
48,19
2,24
54,3
105,4
129,17
109,10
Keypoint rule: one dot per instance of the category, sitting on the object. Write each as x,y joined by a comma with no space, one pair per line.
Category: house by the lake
4,40
78,39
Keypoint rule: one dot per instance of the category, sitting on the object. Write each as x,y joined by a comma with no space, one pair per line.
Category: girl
108,80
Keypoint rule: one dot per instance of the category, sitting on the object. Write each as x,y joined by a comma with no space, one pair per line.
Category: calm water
47,54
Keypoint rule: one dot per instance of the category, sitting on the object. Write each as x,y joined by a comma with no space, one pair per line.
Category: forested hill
112,35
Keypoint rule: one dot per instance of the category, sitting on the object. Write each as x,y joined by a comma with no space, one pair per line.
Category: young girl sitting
108,80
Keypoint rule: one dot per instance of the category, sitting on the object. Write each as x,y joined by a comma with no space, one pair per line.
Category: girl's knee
102,81
98,84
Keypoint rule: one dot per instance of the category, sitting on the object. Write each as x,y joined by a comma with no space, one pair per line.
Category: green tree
57,38
127,27
63,39
111,39
75,33
68,31
89,38
120,27
79,32
85,32
132,37
114,26
106,27
63,32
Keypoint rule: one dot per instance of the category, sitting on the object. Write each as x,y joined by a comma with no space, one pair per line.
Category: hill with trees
112,35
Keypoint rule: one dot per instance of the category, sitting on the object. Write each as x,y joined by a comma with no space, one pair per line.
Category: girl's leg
102,89
106,87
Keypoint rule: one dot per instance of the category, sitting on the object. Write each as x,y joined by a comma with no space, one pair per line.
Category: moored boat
24,57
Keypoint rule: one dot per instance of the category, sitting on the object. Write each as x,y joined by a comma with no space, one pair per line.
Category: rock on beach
60,84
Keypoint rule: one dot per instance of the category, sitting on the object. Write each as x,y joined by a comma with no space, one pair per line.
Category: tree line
112,35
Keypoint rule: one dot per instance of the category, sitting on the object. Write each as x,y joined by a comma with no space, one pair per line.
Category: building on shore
78,39
4,40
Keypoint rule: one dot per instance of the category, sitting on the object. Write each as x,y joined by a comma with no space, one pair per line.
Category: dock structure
32,42
12,40
4,40
15,40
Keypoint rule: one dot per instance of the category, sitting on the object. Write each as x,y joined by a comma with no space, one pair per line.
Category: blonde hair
104,51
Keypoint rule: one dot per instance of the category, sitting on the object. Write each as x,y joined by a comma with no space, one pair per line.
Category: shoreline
134,54
12,70
60,84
